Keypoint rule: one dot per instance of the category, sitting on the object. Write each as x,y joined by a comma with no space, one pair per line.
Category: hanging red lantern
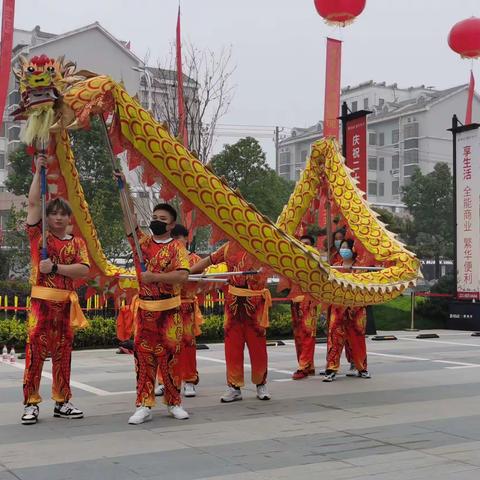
339,12
464,38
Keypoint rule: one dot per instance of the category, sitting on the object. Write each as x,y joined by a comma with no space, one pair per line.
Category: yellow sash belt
298,299
197,314
264,293
77,318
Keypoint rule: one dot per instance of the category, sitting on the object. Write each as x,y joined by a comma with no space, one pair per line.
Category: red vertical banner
8,13
356,140
182,123
332,88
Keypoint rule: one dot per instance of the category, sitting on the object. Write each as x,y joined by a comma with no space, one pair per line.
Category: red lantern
339,12
464,38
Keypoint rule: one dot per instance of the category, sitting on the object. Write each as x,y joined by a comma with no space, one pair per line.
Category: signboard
356,155
468,214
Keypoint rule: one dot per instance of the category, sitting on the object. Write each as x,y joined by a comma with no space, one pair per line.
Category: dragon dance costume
247,304
55,314
191,321
158,325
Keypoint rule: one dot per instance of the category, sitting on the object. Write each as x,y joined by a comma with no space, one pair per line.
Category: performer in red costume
55,311
347,324
156,311
304,323
191,320
247,303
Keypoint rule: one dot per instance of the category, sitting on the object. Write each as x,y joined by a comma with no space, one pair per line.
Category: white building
407,129
92,48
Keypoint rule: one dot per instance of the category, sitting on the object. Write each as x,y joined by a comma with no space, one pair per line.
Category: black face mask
157,227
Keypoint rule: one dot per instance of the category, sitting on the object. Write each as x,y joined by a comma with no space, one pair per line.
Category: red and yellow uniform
246,318
347,327
50,325
158,325
304,323
191,321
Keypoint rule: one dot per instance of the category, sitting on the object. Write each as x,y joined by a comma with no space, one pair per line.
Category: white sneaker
66,410
30,414
231,395
160,390
352,372
141,415
262,392
178,412
189,390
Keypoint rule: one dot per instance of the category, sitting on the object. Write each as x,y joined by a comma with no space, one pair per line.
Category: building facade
407,129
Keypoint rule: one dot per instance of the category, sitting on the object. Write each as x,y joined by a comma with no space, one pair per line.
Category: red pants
347,325
49,333
242,317
157,343
304,323
186,366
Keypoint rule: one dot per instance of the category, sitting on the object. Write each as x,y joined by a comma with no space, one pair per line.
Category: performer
304,323
156,312
247,302
347,324
191,319
55,311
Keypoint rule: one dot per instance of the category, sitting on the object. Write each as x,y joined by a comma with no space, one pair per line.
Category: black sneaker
364,374
66,410
329,376
30,414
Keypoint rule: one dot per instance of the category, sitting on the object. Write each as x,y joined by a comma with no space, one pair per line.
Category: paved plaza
417,418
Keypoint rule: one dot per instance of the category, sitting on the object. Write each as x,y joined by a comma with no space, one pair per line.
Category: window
14,133
372,163
14,98
2,161
381,189
381,139
395,136
395,161
354,106
412,143
410,130
142,194
381,164
303,156
372,188
372,138
284,169
285,158
381,102
395,187
409,169
410,156
365,103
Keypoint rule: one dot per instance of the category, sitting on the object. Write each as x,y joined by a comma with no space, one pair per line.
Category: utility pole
277,131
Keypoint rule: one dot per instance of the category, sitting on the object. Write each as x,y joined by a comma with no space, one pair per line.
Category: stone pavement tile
95,470
5,475
467,427
85,448
179,465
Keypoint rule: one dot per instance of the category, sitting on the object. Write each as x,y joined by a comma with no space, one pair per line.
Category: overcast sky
279,45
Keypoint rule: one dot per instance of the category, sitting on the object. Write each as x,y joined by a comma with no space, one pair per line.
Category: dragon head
41,82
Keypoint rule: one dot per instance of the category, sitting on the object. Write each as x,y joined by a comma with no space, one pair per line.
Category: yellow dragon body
164,159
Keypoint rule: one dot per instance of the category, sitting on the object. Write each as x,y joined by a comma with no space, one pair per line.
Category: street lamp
149,82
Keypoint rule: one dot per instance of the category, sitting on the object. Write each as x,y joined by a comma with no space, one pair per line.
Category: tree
207,94
401,226
243,165
16,249
429,199
94,166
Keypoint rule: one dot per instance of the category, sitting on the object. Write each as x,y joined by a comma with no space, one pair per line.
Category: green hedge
101,332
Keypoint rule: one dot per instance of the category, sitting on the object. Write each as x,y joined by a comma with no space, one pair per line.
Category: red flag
182,124
471,91
332,88
8,13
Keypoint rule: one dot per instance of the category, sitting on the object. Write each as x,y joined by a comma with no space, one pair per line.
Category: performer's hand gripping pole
123,194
